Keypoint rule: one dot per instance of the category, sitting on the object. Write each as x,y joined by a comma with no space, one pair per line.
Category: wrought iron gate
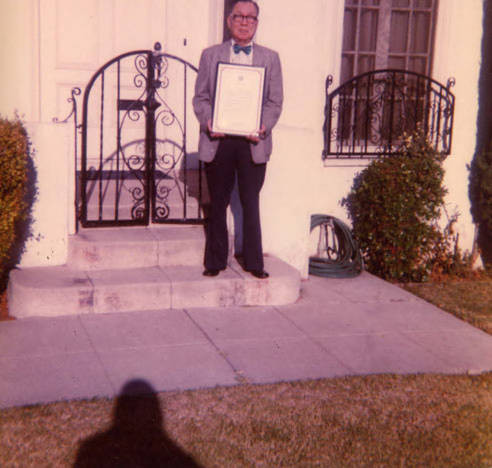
136,166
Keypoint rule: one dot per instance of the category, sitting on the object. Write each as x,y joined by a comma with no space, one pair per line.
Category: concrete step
136,247
63,290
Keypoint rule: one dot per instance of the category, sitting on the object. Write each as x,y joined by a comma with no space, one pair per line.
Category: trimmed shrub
395,205
16,193
480,187
481,200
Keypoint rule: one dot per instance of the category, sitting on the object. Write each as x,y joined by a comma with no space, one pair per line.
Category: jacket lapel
225,51
258,58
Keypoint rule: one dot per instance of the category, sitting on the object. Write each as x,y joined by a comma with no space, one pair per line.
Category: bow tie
246,49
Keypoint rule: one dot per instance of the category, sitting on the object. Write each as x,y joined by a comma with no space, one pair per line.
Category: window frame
384,10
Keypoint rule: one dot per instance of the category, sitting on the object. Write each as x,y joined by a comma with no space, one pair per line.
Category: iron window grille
368,115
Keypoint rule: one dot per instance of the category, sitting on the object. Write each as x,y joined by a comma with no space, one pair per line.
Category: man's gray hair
248,1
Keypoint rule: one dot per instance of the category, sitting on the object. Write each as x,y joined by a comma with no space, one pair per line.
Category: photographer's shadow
136,438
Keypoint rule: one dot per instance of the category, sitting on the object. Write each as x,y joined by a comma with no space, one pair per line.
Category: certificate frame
238,100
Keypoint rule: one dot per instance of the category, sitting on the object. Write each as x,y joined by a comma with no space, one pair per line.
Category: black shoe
210,272
261,274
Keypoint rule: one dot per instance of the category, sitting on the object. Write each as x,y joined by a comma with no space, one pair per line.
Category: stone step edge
56,291
114,248
138,234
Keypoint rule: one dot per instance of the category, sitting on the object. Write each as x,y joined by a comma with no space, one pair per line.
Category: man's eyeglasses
249,19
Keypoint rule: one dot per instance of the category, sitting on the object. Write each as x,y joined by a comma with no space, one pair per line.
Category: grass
386,420
467,299
381,420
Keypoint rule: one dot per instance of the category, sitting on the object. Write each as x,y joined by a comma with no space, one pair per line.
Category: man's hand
213,134
259,136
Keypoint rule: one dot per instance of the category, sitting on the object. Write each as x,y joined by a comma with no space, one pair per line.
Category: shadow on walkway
136,438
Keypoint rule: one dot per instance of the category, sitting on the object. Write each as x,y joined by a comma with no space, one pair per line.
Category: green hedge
480,187
17,192
481,200
395,205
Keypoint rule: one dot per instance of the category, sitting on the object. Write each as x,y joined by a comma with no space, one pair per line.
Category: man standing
227,156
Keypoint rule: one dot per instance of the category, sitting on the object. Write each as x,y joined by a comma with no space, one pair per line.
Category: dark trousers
234,158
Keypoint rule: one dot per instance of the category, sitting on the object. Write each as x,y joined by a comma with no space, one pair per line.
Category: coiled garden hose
338,255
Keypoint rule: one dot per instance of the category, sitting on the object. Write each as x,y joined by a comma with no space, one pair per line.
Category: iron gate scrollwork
136,165
367,116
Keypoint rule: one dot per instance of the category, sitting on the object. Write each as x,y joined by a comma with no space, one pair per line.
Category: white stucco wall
51,151
46,59
308,39
458,55
19,56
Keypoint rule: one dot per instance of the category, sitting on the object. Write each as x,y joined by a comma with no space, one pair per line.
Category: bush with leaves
395,205
481,200
480,187
15,192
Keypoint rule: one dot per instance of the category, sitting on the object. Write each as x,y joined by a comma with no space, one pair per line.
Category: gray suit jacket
205,90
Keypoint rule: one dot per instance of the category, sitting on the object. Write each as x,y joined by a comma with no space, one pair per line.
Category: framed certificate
238,99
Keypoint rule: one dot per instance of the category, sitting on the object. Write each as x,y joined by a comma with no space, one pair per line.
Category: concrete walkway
339,327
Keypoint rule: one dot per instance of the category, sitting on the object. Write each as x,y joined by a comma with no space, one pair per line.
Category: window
379,34
386,89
